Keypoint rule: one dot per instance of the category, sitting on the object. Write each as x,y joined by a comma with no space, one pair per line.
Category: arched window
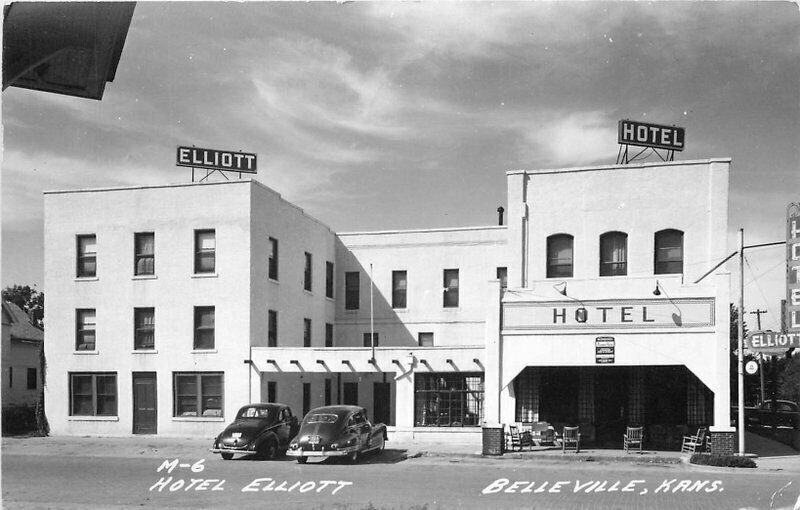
614,254
668,252
559,256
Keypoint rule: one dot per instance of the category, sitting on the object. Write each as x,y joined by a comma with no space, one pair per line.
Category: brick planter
723,443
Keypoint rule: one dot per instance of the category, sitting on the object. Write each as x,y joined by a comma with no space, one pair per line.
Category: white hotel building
171,306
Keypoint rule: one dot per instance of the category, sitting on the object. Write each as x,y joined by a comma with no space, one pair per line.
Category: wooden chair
633,438
516,438
692,444
571,440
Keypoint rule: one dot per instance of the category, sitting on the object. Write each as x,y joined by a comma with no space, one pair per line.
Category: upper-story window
273,259
307,273
144,253
399,285
329,279
272,328
370,339
203,327
614,254
502,275
87,256
328,334
144,328
351,290
559,256
668,252
425,339
306,332
205,251
85,329
450,299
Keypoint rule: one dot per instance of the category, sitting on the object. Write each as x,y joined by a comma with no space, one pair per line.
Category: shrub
705,459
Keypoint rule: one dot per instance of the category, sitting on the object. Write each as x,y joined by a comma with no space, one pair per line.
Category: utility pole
758,313
740,345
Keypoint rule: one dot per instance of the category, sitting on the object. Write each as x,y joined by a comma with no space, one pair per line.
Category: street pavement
154,471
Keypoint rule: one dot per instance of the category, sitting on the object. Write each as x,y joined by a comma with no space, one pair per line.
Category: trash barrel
493,440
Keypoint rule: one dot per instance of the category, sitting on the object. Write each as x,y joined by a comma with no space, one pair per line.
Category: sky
396,115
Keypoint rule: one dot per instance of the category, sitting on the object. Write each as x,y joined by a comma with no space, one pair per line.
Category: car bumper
321,453
240,451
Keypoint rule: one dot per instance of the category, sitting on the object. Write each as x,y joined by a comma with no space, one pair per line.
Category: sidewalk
772,457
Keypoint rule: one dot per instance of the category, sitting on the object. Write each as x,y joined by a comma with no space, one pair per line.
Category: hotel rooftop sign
213,159
651,135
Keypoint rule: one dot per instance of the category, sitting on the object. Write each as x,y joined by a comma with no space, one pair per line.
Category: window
272,391
450,288
399,284
85,330
368,343
669,252
144,328
614,254
203,327
350,393
448,400
306,332
307,273
10,377
87,256
272,329
328,385
198,393
93,394
31,378
273,259
306,398
144,254
559,256
425,339
205,251
328,335
351,290
329,279
502,275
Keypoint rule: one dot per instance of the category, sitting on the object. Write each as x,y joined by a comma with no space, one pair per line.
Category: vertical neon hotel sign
793,268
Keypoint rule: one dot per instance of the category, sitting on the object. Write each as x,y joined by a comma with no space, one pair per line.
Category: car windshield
254,412
322,418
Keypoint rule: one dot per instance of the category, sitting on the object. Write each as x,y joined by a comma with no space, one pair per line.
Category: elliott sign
214,159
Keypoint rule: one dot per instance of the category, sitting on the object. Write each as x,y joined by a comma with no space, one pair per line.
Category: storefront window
448,400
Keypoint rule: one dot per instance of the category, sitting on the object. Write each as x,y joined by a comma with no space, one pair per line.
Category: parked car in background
264,430
337,431
785,414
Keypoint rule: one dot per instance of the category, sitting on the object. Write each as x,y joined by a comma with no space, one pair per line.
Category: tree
789,388
29,299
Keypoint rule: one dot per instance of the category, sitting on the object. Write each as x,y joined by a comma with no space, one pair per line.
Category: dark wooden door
144,403
350,394
381,396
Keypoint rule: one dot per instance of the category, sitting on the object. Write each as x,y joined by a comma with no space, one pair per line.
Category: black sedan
337,431
264,430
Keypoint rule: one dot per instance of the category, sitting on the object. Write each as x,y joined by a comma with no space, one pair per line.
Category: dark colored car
264,430
337,431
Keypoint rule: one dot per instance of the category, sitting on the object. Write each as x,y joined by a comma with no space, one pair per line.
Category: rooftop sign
213,159
650,135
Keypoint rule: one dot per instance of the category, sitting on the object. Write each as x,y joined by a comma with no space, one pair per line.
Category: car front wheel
226,456
302,460
269,451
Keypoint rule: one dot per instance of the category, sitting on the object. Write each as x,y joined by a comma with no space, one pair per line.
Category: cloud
568,139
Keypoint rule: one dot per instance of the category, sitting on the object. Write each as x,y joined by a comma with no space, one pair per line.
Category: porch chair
516,439
696,443
571,440
633,438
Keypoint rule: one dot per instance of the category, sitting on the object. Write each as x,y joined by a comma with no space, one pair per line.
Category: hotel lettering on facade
169,307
